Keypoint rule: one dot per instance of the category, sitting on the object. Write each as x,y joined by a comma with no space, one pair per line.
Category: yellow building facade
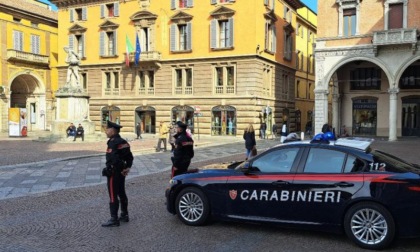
306,31
217,65
28,36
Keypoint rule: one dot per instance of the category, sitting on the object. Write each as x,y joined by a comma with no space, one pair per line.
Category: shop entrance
364,117
184,114
109,113
410,117
223,121
146,116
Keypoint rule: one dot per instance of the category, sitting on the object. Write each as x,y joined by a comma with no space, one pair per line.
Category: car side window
280,160
353,164
324,161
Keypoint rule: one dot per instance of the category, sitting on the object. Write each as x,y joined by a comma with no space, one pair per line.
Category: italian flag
128,49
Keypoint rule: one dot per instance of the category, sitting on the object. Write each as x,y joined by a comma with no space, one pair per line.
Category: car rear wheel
369,225
192,206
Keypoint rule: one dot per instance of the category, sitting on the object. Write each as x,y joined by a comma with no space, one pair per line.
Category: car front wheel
369,225
192,206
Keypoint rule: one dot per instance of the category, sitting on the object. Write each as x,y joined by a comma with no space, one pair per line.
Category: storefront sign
364,105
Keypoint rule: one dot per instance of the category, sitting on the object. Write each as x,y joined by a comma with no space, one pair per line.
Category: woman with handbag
250,143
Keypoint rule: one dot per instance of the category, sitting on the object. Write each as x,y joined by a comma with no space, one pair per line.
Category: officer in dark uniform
118,163
184,150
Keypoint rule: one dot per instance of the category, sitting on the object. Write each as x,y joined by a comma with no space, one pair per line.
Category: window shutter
231,1
274,45
267,30
213,2
189,36
116,9
265,2
213,33
346,26
71,15
84,13
149,41
173,37
21,41
102,43
84,46
102,10
115,43
32,43
190,3
71,41
173,7
274,4
285,12
353,25
230,25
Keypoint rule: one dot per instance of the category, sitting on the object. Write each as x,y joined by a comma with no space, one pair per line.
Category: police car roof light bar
355,142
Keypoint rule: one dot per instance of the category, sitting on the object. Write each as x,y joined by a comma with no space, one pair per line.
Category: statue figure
73,59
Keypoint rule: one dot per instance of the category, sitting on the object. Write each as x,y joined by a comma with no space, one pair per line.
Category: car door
326,180
260,194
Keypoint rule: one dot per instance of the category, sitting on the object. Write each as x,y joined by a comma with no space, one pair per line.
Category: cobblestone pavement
69,220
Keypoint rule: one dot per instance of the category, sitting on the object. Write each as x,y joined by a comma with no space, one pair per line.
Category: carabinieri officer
118,163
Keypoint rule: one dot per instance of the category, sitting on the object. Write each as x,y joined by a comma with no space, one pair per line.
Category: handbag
254,151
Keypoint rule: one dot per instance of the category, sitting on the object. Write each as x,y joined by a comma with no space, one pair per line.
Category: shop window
411,78
110,113
364,116
223,121
184,114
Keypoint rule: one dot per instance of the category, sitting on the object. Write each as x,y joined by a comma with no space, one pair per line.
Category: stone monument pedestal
72,107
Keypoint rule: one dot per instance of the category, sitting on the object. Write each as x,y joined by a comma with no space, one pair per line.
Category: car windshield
387,162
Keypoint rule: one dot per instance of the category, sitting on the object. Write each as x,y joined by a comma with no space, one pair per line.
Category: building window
288,48
270,37
16,20
223,121
285,86
112,83
146,82
108,43
110,10
395,16
18,40
221,33
222,1
181,4
411,78
83,80
35,44
365,79
287,14
181,37
78,14
348,18
297,89
225,80
35,25
183,81
267,80
77,43
349,22
144,38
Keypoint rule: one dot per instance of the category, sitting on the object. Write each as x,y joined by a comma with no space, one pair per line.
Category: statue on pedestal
73,59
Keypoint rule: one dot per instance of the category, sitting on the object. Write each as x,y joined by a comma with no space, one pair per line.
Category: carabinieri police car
336,186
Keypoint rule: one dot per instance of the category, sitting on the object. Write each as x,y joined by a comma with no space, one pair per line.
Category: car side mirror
246,167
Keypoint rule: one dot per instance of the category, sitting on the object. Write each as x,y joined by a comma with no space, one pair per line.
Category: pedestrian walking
163,135
184,150
250,143
263,128
274,132
138,130
172,133
284,132
119,160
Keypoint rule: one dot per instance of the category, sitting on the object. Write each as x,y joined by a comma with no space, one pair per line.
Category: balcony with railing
146,56
395,37
112,91
225,89
146,91
183,90
15,55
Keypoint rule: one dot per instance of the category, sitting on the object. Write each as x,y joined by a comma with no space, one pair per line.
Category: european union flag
138,51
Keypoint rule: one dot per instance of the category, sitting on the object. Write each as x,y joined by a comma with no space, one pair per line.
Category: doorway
146,116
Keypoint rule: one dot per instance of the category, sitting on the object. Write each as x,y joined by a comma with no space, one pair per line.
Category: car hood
220,166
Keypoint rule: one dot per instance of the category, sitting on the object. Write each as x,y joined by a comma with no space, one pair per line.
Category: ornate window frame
347,4
386,14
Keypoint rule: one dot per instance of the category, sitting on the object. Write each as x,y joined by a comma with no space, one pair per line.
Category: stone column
321,109
336,111
393,95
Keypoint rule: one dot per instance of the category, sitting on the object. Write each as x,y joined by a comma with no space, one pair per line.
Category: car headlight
173,182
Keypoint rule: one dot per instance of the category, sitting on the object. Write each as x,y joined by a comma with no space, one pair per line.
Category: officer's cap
181,125
110,124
